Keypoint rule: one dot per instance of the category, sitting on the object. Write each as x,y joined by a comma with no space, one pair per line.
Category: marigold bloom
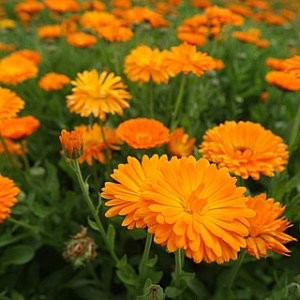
29,7
12,148
97,19
144,64
193,205
125,195
81,39
292,64
49,31
16,68
275,63
289,81
62,6
267,227
19,128
95,145
245,148
7,47
143,133
115,33
185,58
8,196
98,94
31,55
72,143
10,104
180,144
53,81
249,36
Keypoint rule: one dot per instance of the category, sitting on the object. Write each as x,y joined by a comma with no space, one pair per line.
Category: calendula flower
29,7
266,231
144,64
115,33
10,147
249,36
289,81
275,63
31,55
247,149
62,6
95,145
49,31
10,104
143,133
72,143
125,195
8,196
16,68
180,144
7,47
185,58
98,94
81,39
53,81
192,205
19,128
292,64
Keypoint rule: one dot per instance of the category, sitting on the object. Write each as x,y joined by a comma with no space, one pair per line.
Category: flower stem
24,156
178,101
84,189
179,259
236,268
295,128
6,151
145,257
152,100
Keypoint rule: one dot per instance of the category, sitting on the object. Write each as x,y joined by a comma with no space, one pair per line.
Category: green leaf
173,292
93,224
152,261
111,236
17,255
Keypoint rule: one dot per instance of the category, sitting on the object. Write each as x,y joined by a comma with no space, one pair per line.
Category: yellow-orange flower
125,195
267,227
49,31
143,133
8,196
289,81
10,104
95,145
29,7
185,58
245,148
275,63
115,33
53,81
62,6
31,55
19,128
81,39
72,143
98,94
180,144
12,148
144,64
192,205
16,68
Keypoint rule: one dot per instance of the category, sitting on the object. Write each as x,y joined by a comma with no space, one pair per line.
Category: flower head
180,144
144,64
289,81
245,148
8,196
98,94
10,104
266,231
53,81
193,205
19,128
72,143
81,39
143,133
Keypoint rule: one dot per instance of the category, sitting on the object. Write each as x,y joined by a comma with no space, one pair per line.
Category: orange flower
263,43
8,196
245,148
7,47
180,144
185,58
29,7
94,145
97,19
81,39
263,97
62,6
267,227
292,64
121,3
53,81
12,148
19,128
275,63
143,133
31,55
144,64
194,206
72,143
125,195
10,104
249,36
16,68
289,81
201,3
115,33
49,31
192,34
98,94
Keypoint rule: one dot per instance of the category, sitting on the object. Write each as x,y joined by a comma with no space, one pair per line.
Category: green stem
152,100
295,129
145,257
24,156
179,259
178,101
23,224
106,150
236,269
6,151
85,191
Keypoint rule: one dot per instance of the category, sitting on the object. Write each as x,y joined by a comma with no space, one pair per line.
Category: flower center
194,203
243,151
143,138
